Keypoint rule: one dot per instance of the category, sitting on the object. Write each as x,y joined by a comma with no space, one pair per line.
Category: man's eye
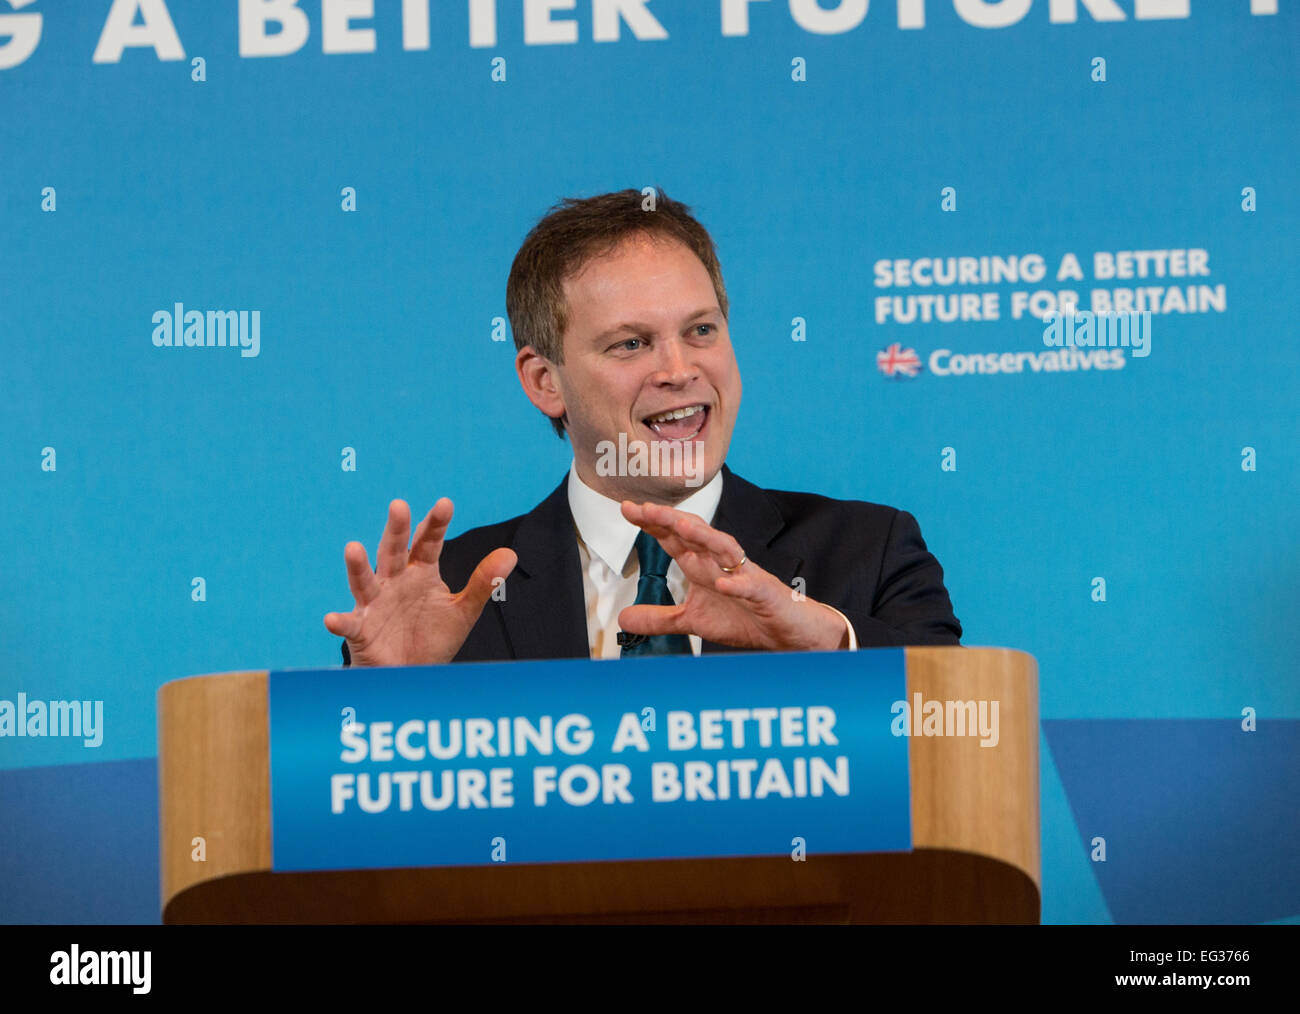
703,330
627,344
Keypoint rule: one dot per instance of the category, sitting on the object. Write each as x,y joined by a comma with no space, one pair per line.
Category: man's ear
537,375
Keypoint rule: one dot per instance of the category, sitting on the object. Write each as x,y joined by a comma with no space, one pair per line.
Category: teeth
680,413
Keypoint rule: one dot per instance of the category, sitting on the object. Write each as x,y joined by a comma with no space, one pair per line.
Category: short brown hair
573,232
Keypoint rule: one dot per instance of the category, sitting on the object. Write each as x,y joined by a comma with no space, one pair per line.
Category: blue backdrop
149,157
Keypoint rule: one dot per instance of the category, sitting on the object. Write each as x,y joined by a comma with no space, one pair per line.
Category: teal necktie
652,590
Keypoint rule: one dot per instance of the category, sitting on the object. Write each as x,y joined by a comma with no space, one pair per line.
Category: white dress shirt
610,568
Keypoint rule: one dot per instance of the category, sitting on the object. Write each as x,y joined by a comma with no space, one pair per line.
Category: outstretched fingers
361,579
343,624
490,574
680,532
703,538
651,620
426,547
391,557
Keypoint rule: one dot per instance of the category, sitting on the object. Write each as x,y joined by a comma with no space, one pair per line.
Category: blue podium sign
577,761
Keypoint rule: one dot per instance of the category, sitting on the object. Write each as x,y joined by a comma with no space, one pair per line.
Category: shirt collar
608,534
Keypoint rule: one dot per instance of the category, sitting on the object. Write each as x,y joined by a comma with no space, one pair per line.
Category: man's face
646,336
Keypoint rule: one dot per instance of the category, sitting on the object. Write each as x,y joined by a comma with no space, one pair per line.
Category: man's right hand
405,614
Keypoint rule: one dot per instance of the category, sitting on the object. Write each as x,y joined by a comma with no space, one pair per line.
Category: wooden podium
975,832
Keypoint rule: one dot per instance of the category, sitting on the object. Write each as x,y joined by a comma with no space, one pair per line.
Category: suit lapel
545,610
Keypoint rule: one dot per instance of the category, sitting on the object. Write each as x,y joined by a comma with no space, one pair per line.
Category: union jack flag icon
896,360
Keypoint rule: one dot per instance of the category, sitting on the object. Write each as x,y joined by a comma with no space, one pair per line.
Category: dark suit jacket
866,560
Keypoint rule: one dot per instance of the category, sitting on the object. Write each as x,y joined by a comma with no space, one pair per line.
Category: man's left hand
747,608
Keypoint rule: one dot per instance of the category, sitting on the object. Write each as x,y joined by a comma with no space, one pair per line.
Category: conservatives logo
1077,341
946,363
896,361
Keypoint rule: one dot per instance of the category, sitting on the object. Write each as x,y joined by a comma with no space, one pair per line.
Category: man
619,316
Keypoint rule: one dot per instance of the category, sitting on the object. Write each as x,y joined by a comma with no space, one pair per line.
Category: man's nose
674,364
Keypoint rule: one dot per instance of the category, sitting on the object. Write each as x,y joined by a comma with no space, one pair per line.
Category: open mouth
685,423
